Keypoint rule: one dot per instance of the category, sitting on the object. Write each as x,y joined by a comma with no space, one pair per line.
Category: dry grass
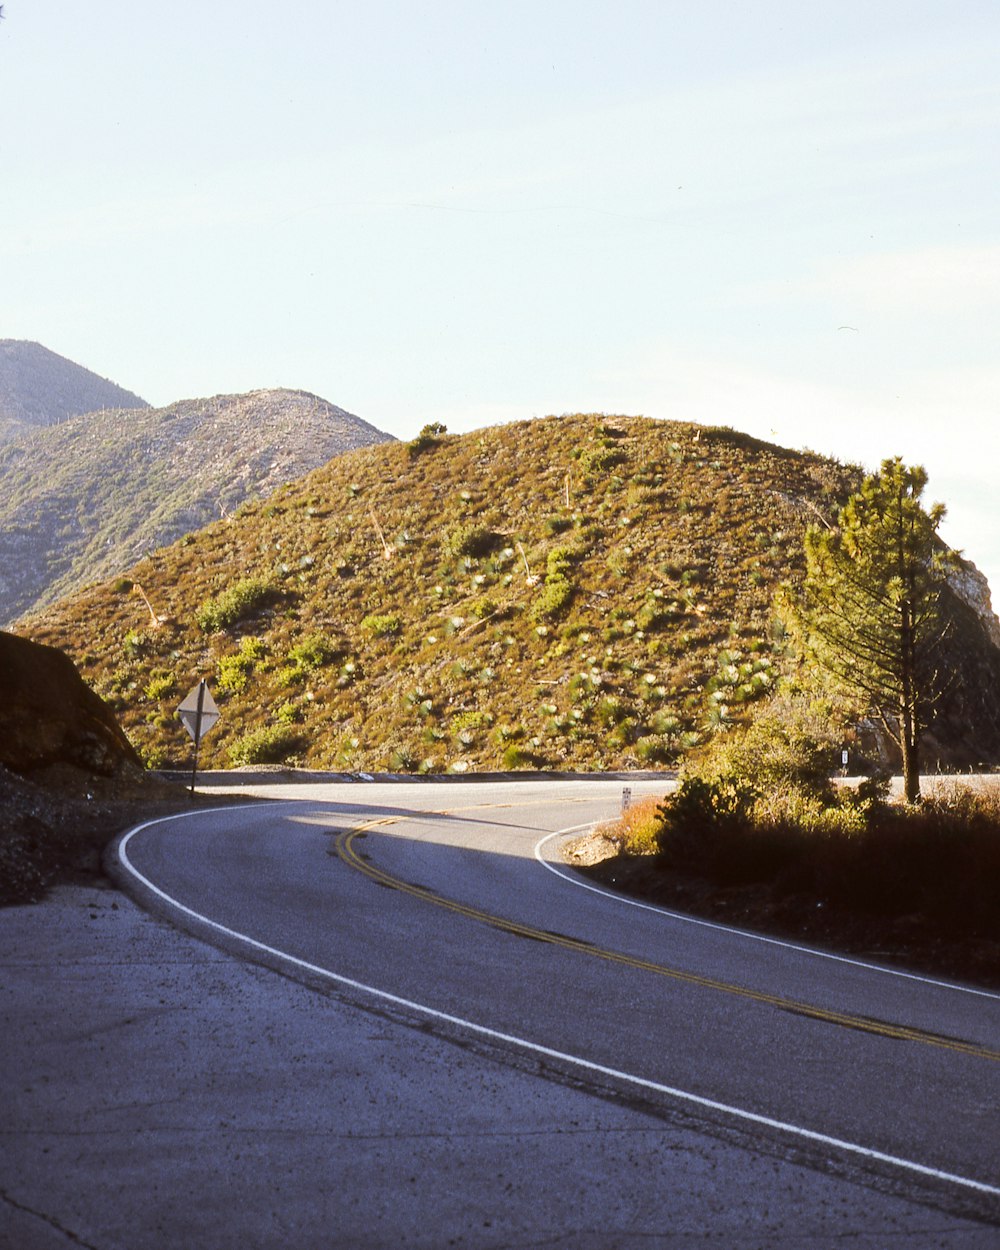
636,831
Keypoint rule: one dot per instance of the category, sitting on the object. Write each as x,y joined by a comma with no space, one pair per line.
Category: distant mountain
39,388
84,499
580,592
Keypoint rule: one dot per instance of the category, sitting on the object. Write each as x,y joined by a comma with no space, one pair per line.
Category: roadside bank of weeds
913,885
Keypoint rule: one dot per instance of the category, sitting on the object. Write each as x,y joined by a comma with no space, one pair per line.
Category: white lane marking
574,879
511,1039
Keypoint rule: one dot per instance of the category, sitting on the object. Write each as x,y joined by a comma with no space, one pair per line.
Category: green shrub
289,713
428,437
742,800
558,562
234,604
557,524
558,589
604,452
270,745
476,541
233,672
706,825
600,459
471,720
153,757
134,643
556,595
483,608
656,749
612,711
314,651
759,800
160,684
517,757
381,626
122,678
789,744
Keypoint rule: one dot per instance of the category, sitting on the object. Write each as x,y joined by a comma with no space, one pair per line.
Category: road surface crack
51,1220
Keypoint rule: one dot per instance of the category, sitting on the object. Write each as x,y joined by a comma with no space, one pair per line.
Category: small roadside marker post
626,798
198,713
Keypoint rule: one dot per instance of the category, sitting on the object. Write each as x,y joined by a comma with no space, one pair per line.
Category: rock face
39,388
83,500
50,717
973,589
966,729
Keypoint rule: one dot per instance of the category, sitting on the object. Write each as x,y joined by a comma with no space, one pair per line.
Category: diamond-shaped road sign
198,711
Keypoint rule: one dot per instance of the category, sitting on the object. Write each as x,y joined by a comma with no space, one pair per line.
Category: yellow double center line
348,853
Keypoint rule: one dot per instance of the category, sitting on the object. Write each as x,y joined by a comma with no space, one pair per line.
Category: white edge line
574,879
709,1104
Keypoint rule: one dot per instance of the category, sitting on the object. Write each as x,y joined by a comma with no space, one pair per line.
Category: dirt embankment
69,778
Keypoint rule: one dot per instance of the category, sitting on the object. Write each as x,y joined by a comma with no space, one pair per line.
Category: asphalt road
446,909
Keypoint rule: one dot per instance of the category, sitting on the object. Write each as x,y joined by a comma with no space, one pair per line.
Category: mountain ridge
39,388
84,498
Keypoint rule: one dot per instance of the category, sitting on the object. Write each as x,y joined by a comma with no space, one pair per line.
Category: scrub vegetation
575,592
757,833
579,592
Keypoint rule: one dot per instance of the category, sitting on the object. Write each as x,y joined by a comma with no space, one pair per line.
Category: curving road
448,906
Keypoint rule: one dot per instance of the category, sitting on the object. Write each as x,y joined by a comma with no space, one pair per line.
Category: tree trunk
911,762
909,731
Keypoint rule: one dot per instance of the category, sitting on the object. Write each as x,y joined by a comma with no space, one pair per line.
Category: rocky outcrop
965,732
973,589
50,717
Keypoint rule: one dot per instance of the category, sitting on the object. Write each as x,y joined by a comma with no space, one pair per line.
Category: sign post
198,713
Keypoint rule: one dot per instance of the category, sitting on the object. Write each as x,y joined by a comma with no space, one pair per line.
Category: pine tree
871,609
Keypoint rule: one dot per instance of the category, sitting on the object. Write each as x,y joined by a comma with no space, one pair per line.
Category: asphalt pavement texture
159,1092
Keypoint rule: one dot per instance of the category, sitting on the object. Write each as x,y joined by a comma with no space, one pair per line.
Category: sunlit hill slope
573,592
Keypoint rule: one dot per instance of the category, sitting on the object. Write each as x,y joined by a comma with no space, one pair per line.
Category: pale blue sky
474,212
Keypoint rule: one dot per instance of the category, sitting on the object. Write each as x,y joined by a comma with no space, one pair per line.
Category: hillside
86,498
39,388
573,592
